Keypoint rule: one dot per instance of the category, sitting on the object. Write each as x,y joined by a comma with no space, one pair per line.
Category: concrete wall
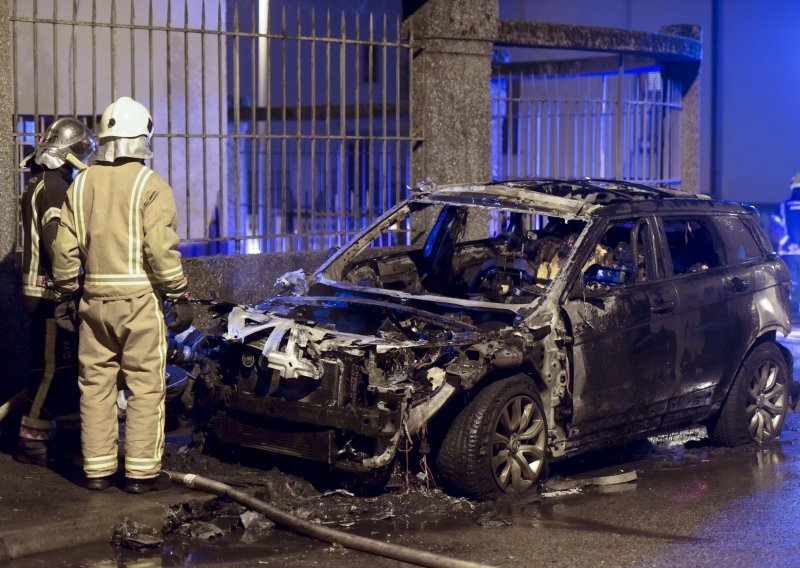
13,325
245,278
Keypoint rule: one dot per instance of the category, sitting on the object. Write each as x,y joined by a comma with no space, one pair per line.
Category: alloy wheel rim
766,401
518,445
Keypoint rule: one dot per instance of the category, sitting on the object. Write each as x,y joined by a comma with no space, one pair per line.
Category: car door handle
737,284
662,306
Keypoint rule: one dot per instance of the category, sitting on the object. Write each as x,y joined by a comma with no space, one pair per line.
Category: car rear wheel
757,402
498,444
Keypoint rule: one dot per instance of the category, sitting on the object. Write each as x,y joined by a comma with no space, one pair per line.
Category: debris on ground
136,536
571,484
201,530
344,492
491,520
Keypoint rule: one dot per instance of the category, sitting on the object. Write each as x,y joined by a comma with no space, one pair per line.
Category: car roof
578,197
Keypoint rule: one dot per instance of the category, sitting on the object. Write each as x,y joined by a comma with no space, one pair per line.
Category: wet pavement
691,504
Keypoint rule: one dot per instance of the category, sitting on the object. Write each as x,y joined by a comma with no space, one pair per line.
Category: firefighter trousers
52,388
126,338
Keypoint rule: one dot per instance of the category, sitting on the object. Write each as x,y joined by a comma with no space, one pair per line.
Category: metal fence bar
237,122
133,50
150,67
74,68
187,144
252,211
206,223
358,185
37,126
298,205
396,179
370,124
328,181
385,203
55,60
113,34
344,194
221,204
269,222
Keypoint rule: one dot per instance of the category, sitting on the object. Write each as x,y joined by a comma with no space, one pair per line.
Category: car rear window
694,244
740,244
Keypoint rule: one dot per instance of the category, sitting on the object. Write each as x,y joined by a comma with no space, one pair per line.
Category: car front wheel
757,402
498,443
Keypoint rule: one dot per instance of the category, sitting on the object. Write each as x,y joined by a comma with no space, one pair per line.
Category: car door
625,341
696,259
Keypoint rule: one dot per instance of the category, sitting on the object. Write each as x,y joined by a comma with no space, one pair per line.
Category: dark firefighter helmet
64,137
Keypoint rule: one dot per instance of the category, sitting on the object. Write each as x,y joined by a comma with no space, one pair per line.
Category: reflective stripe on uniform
33,269
80,220
169,273
100,466
134,222
50,214
38,292
141,463
117,279
142,468
67,274
162,352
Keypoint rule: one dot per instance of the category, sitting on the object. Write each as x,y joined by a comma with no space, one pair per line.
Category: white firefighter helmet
125,118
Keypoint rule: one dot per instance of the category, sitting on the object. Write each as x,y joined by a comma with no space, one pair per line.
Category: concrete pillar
688,74
450,95
13,323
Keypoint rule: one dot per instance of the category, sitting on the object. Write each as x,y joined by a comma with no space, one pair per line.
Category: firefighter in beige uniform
118,224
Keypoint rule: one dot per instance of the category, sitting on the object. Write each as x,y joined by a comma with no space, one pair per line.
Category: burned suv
499,326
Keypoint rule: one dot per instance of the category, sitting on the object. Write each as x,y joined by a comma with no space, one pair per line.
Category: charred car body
513,323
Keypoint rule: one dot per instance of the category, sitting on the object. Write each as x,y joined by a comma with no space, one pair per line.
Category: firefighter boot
34,443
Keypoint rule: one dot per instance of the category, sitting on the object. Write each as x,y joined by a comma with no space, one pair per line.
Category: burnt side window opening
621,255
464,251
694,245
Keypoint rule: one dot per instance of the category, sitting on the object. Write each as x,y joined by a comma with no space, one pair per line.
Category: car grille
276,436
326,390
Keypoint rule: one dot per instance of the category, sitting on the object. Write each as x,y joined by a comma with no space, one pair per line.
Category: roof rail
627,190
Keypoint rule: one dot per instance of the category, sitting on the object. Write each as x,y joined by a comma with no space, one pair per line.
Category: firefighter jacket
41,211
791,215
118,224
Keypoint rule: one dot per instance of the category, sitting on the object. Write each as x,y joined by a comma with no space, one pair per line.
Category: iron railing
278,128
623,124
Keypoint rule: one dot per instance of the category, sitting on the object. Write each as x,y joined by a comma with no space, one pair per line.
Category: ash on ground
320,496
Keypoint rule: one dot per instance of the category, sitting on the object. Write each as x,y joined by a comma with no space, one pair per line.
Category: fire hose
325,534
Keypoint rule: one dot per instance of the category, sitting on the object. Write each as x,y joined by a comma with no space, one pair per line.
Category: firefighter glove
178,314
66,314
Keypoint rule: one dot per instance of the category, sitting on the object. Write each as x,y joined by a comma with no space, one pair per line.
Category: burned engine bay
356,359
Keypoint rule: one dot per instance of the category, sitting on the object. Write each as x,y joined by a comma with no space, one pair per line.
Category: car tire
498,443
757,403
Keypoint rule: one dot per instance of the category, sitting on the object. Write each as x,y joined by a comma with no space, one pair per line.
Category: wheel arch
766,335
439,424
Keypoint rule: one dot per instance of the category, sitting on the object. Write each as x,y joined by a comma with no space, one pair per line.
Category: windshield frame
330,272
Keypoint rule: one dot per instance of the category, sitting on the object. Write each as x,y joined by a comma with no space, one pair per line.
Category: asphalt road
692,505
